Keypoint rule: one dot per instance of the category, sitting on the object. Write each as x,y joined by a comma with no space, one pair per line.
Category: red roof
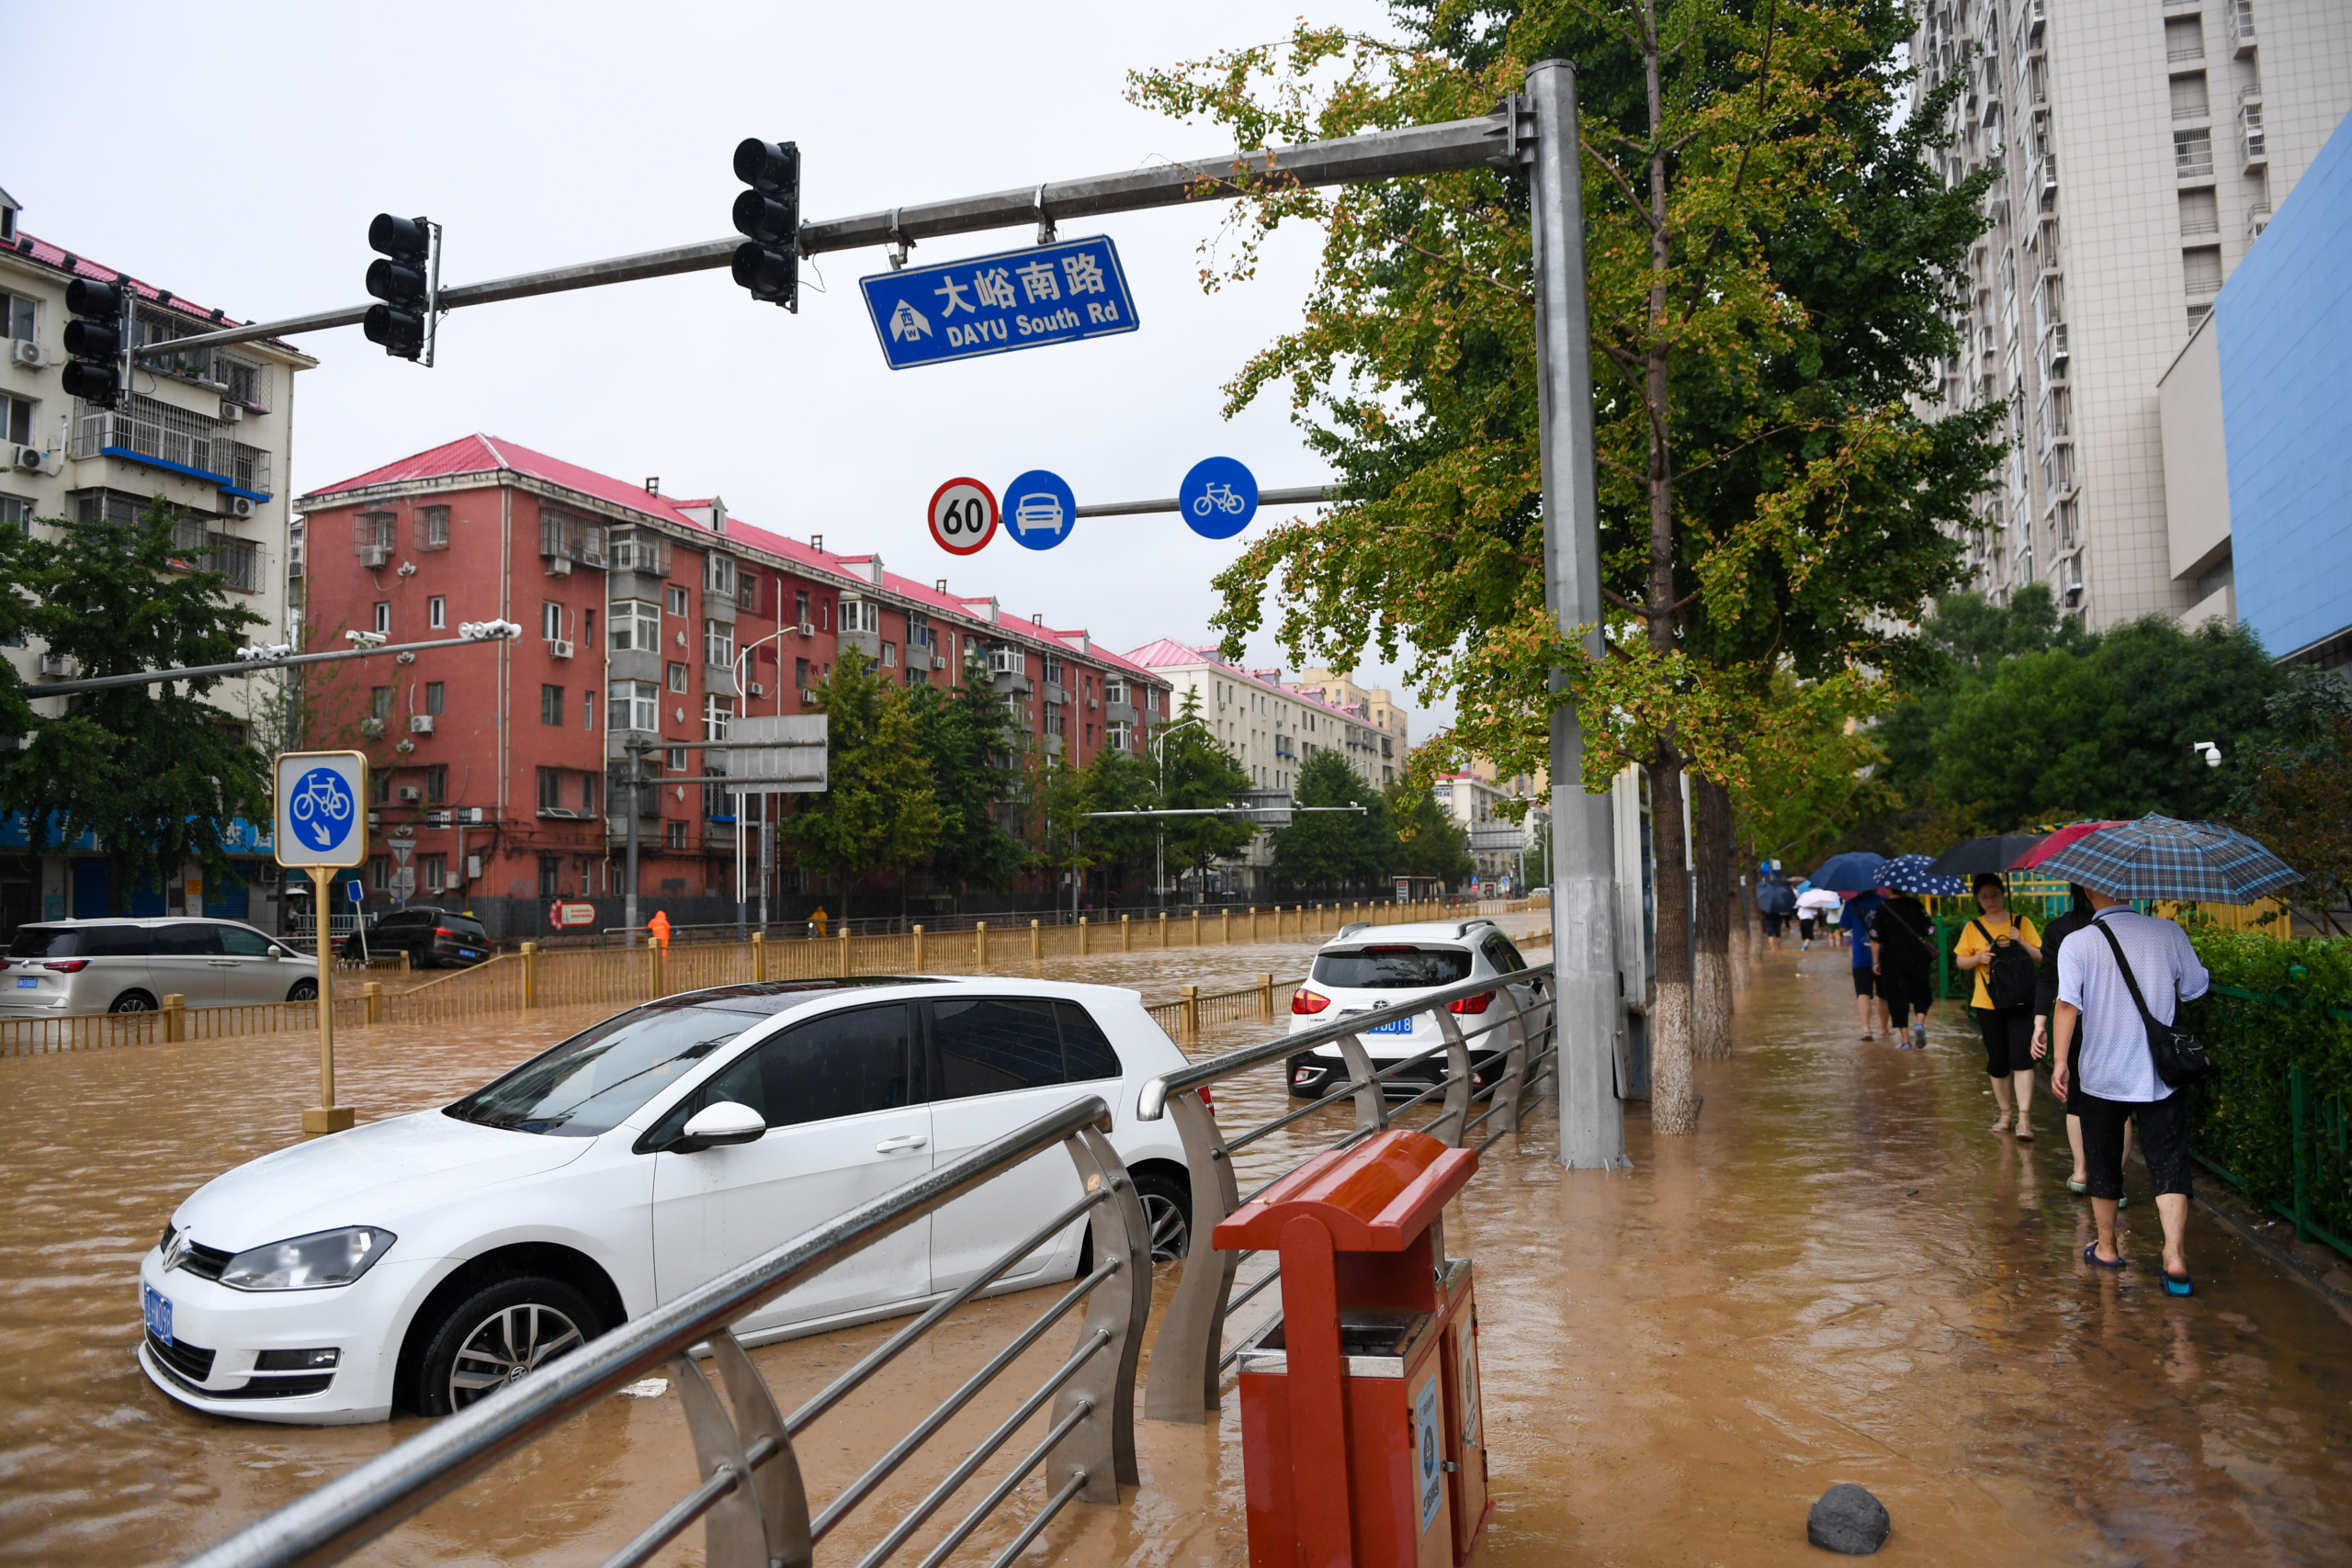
57,256
1167,651
489,455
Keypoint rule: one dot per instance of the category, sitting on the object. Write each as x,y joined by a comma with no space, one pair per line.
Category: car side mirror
717,1126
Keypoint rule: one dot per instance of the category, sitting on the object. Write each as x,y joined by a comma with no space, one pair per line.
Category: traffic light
768,262
94,342
403,278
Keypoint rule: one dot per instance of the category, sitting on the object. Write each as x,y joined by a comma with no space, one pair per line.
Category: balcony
2240,15
199,549
2254,149
2045,180
245,382
2054,359
2192,155
164,436
2257,220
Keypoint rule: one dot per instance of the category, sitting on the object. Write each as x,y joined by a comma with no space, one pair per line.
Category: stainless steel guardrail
1188,1359
754,1507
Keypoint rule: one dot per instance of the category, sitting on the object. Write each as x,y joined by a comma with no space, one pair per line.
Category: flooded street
1844,1277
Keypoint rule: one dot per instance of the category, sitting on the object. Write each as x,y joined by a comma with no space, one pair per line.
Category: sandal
2025,1134
2077,1186
2000,1124
2090,1255
2178,1284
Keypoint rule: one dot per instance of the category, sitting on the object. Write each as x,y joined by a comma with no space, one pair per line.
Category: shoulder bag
2179,1056
2010,979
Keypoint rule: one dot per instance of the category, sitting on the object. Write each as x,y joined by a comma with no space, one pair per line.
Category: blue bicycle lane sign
1218,498
321,808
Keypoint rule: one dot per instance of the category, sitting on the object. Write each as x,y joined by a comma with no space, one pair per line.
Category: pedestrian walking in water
2003,952
1902,946
1775,901
2045,998
2116,964
1856,924
1815,903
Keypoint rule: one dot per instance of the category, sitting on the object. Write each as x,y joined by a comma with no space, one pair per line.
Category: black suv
429,936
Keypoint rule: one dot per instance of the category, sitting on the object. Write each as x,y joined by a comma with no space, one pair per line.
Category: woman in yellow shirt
2007,1030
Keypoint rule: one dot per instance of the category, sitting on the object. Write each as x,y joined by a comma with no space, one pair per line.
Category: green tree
1058,800
155,770
1330,852
971,750
877,811
1197,771
2297,798
1430,842
1123,848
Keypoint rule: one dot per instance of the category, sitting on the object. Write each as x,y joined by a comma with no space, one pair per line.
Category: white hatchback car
1384,969
421,1262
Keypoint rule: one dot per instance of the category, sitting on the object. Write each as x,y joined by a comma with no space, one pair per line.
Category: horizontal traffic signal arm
259,660
1497,141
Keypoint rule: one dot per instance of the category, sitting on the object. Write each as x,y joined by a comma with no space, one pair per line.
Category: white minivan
55,967
423,1261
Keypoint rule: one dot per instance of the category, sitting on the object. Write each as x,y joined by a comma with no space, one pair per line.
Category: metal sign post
322,811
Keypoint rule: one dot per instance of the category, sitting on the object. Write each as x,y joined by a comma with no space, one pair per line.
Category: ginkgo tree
1774,266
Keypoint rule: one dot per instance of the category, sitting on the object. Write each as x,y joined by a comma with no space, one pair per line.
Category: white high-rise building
2141,146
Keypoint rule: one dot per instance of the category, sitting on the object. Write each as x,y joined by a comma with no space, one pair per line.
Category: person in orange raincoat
819,920
658,928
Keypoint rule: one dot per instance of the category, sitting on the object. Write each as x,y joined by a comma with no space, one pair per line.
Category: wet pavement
1843,1278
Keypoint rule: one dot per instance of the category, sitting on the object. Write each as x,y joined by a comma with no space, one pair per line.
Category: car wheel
1167,1214
303,991
133,1001
497,1334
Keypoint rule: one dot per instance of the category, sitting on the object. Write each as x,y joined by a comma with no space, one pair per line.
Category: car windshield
44,942
1392,968
595,1080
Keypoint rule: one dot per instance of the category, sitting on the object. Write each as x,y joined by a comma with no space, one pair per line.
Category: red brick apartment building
497,765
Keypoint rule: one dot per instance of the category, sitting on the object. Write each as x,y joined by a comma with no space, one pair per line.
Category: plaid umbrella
2158,857
2051,844
1993,851
1913,874
1855,871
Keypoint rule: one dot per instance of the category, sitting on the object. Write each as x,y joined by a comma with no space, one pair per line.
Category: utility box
1360,1430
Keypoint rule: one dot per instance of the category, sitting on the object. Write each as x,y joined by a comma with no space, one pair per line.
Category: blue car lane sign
1218,498
1063,292
1039,510
321,808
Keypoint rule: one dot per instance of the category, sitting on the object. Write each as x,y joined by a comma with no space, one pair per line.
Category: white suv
425,1260
57,968
1369,969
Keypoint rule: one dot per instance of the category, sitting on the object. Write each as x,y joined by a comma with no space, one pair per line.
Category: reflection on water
1844,1277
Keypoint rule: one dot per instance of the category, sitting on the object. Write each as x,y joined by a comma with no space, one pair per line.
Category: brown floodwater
1842,1277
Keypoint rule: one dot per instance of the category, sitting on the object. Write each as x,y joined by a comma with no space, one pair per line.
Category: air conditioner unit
232,413
29,458
807,629
420,723
939,662
558,648
558,566
241,506
58,664
756,689
373,556
411,795
26,353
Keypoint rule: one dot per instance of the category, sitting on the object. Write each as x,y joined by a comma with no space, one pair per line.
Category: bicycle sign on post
322,828
962,516
1218,498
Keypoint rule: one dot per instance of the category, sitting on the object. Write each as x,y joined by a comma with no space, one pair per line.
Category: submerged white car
423,1261
1379,972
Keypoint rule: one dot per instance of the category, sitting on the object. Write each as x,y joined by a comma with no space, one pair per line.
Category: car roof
917,985
1448,932
64,923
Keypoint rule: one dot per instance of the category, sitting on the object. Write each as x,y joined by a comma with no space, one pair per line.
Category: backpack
2010,979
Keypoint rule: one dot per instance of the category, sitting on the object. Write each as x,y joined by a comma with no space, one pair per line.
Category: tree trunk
1747,944
1711,983
1674,1105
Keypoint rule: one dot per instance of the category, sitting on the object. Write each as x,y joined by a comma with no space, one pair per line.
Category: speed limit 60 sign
962,516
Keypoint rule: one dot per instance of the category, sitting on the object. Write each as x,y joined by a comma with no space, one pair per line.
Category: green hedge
2276,1118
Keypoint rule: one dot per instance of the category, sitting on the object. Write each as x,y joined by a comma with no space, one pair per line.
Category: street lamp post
1159,755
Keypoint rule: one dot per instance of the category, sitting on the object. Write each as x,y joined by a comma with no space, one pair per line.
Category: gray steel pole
1584,926
629,897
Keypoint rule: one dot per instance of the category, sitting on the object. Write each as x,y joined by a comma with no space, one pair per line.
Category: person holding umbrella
2003,952
1902,946
2121,990
2045,1001
1776,901
1813,905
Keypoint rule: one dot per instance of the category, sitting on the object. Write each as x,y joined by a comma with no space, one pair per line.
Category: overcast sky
248,145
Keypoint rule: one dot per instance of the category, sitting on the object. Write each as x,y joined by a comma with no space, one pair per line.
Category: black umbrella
1993,851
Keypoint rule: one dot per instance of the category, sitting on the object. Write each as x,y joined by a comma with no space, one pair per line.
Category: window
15,513
380,868
1393,968
588,783
550,620
800,609
1114,690
718,575
432,527
384,619
844,1064
716,712
747,592
379,702
919,632
588,709
551,705
677,601
588,627
637,626
436,696
379,785
889,655
633,550
673,836
1055,723
1115,735
571,538
719,644
373,531
19,312
991,1044
1053,669
551,869
800,674
861,615
636,705
436,784
676,759
434,871
550,789
677,677
437,613
16,420
2201,269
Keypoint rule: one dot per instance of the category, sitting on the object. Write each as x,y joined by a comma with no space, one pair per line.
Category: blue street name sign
981,305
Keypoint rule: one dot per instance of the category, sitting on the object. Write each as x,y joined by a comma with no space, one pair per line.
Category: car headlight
308,1262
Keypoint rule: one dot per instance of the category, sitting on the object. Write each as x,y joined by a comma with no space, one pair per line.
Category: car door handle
220,963
903,1144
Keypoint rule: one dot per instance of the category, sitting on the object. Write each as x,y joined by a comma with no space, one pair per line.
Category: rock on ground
1848,1521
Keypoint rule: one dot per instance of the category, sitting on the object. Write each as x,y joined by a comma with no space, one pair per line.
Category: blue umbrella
1855,871
1909,874
2159,857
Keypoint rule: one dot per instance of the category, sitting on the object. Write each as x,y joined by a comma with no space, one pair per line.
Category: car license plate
158,1307
1399,1026
26,982
467,952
